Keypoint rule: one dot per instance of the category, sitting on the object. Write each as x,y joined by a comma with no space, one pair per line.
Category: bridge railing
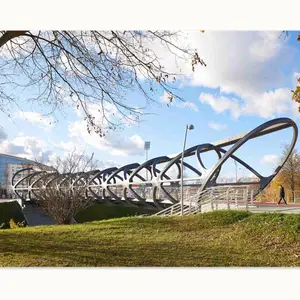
214,198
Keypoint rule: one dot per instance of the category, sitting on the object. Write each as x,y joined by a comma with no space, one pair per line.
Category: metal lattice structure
128,184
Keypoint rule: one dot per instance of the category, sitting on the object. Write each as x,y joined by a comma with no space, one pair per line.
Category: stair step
217,197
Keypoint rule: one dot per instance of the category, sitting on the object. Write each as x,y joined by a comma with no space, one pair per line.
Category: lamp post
146,148
188,127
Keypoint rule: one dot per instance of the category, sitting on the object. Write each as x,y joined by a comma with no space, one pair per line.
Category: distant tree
75,162
271,192
79,68
289,176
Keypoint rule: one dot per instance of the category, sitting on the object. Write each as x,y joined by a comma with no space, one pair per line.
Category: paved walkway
35,216
260,207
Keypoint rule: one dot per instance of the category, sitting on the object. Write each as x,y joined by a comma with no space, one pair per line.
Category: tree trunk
67,221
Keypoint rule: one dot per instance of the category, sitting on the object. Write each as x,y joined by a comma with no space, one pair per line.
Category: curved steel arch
264,181
127,184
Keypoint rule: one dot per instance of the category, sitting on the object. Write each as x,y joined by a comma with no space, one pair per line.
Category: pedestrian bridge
157,187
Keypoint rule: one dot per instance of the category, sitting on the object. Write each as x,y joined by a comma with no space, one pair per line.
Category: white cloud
245,68
269,104
237,62
177,103
133,145
266,46
270,159
30,147
52,161
34,148
45,122
221,104
67,146
188,104
118,145
265,105
70,146
246,64
234,68
108,164
217,126
107,114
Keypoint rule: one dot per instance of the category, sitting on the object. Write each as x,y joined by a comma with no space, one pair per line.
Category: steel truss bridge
129,185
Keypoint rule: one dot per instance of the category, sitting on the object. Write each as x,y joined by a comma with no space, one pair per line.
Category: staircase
213,198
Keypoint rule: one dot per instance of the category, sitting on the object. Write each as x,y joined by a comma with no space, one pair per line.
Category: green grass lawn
220,238
98,212
10,210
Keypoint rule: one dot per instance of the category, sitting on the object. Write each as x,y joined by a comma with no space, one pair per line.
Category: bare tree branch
81,68
63,203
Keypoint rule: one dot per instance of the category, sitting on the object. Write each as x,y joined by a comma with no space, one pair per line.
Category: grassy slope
221,238
10,210
98,212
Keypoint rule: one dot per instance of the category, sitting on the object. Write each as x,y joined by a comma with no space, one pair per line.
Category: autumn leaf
296,93
170,97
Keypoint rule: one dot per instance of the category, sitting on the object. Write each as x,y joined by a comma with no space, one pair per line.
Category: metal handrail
240,196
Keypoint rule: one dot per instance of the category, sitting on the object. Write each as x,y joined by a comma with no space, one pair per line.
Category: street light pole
188,127
146,148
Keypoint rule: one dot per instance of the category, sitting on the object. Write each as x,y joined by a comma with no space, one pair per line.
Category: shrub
14,225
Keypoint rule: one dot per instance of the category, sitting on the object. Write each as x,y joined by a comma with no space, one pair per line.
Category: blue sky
247,81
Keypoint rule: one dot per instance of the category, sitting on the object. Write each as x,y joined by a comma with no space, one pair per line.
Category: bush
62,205
14,225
